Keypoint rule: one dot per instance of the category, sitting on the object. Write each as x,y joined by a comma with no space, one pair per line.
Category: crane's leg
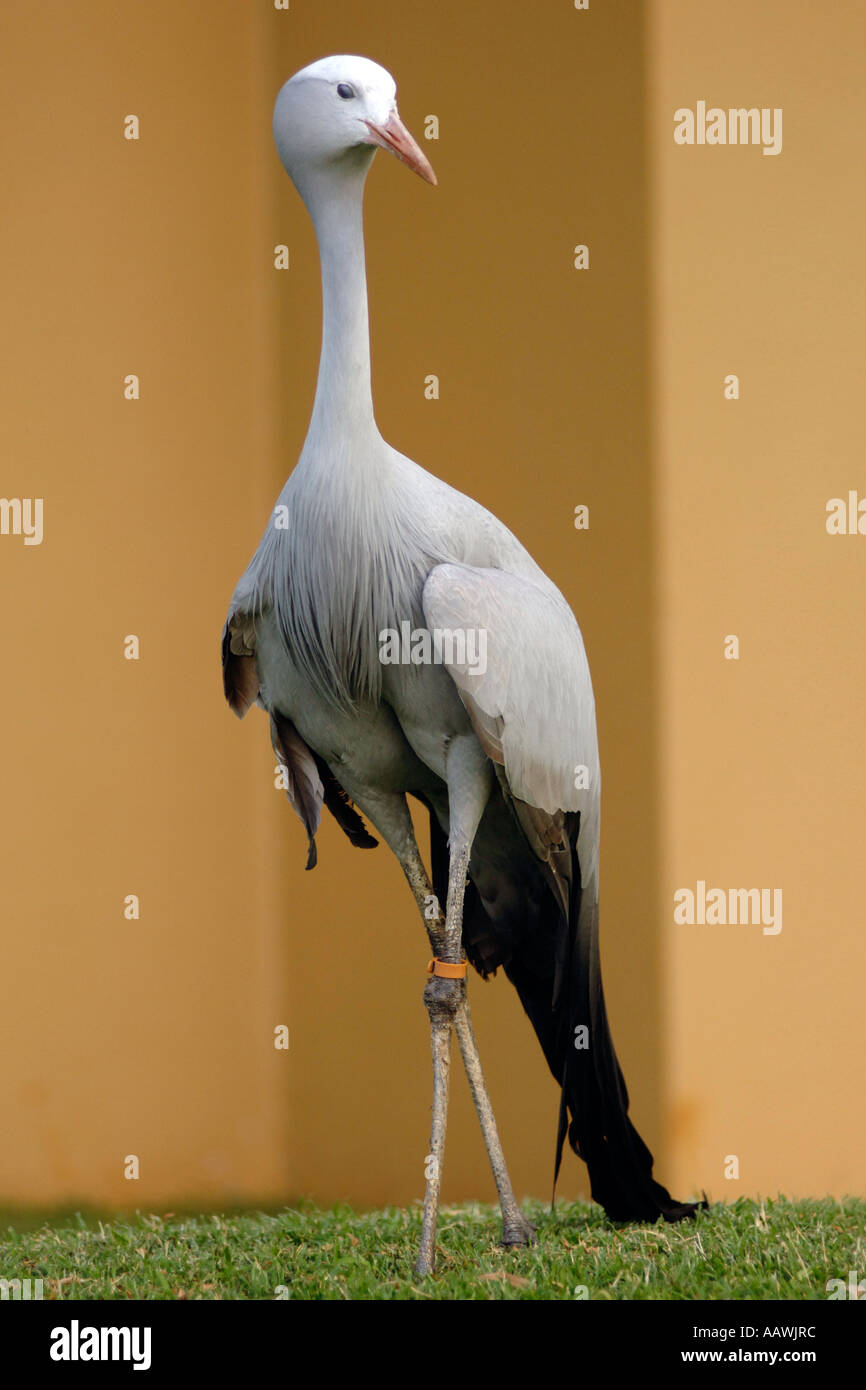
516,1230
448,1008
469,785
440,1043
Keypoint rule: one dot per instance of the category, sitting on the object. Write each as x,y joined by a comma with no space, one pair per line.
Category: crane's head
340,109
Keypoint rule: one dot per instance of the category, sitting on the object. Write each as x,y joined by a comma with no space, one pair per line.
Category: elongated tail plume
553,961
593,1088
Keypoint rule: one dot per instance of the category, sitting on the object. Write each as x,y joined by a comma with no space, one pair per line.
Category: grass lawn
747,1250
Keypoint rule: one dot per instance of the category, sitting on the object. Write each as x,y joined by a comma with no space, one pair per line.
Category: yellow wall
758,271
557,387
127,777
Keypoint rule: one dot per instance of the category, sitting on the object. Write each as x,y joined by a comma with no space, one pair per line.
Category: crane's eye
345,91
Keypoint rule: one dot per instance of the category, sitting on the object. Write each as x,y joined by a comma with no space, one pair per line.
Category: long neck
343,407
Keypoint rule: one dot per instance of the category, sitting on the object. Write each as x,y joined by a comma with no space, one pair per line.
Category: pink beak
394,136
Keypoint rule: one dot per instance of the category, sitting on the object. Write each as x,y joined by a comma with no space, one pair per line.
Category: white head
334,113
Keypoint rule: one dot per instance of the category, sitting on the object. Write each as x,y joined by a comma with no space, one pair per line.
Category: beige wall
758,265
558,387
126,777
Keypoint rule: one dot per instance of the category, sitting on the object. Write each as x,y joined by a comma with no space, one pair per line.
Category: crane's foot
516,1230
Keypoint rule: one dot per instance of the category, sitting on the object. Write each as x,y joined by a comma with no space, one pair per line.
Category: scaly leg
447,1006
440,1040
516,1230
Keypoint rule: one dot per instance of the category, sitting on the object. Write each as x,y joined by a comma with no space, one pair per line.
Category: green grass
747,1250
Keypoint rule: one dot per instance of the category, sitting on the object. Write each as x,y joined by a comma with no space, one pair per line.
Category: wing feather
303,784
309,781
528,691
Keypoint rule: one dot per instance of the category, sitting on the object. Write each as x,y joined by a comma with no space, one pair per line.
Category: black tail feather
593,1112
594,1092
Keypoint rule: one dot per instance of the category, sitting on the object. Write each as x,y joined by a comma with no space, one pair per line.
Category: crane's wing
523,676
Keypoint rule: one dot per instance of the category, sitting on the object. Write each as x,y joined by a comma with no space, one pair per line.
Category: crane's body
502,750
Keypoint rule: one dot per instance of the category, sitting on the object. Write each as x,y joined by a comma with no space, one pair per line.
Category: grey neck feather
344,399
